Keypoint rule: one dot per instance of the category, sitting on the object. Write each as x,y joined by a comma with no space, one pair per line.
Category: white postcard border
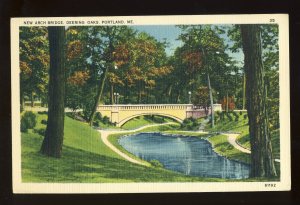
285,158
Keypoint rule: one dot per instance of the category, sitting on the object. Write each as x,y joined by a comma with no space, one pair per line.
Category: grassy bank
220,142
145,120
86,159
240,126
221,145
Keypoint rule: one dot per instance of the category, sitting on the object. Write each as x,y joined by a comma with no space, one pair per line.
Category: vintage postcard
140,104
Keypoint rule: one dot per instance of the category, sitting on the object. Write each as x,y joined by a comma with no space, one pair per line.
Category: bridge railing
147,107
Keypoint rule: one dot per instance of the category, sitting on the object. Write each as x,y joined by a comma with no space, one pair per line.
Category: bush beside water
156,163
190,124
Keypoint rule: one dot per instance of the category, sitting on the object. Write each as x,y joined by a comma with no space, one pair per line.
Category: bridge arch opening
124,121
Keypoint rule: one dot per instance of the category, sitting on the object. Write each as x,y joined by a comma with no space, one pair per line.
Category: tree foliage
34,63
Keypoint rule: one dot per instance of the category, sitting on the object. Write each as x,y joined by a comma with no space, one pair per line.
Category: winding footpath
232,140
106,133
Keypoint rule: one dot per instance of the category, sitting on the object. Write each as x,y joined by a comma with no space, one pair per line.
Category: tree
262,162
202,54
34,63
270,54
109,36
201,97
53,141
142,64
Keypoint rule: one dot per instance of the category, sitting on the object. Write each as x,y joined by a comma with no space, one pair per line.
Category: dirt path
232,141
106,133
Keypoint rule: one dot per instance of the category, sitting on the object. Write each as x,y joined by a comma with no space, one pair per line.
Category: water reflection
188,155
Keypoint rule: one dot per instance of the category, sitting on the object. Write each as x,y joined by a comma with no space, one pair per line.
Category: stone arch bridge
120,114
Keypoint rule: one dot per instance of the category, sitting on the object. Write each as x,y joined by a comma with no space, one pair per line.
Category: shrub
156,163
222,116
245,116
86,114
44,122
218,115
28,121
235,114
105,120
96,123
241,112
190,124
40,131
98,116
229,116
23,127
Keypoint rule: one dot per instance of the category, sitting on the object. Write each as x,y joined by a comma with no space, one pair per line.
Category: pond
189,155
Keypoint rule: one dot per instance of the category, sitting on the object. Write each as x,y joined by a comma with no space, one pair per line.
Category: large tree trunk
53,141
99,95
262,162
244,91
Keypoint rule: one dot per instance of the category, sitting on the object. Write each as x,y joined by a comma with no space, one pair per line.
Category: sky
168,32
171,33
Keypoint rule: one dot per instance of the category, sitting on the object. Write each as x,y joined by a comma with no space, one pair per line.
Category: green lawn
221,145
226,125
86,159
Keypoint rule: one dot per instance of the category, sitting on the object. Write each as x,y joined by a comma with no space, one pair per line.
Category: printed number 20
272,20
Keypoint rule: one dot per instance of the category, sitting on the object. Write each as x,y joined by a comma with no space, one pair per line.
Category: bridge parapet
120,114
146,107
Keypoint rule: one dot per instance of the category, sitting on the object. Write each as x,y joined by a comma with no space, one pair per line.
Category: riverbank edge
223,154
113,138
